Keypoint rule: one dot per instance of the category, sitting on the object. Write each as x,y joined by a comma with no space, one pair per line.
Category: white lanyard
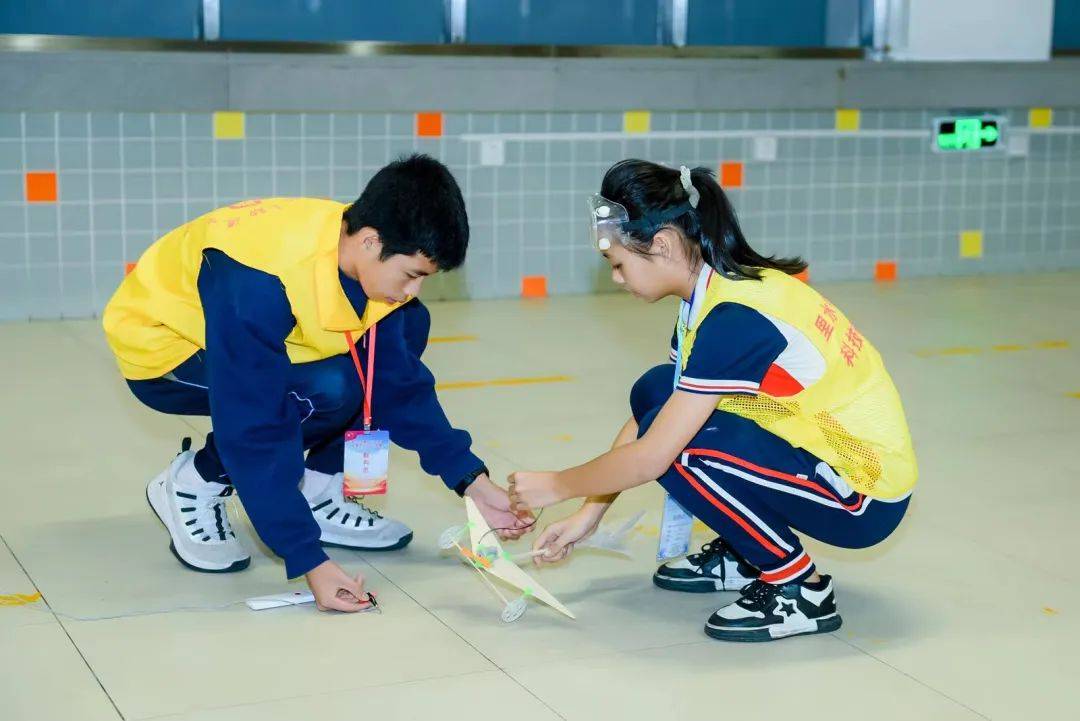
676,523
681,324
688,310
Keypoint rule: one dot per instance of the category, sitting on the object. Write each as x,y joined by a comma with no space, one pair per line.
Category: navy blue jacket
256,427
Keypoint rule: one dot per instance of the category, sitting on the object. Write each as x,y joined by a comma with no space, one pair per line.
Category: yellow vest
154,321
852,417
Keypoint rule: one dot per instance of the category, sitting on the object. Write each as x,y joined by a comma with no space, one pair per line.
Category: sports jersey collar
337,312
698,298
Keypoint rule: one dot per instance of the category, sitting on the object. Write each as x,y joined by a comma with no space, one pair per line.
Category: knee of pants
725,431
171,398
647,419
417,327
141,391
332,392
652,389
722,429
866,535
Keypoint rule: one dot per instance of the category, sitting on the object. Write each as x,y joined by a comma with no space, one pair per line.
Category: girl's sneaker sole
690,585
827,624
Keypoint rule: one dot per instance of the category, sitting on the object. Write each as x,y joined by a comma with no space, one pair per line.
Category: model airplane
606,538
488,557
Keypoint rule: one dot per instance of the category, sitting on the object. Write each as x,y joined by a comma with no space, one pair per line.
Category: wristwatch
461,487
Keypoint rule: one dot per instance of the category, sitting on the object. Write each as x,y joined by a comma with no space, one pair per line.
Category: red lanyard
368,385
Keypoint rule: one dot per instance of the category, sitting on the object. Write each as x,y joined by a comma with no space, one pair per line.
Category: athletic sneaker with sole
345,524
195,514
716,568
767,612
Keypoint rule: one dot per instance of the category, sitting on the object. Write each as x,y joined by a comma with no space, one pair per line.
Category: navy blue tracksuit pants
755,489
327,395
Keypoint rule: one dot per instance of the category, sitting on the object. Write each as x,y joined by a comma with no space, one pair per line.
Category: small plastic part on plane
514,610
450,537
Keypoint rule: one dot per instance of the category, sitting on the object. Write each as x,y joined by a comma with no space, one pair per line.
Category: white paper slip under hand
277,600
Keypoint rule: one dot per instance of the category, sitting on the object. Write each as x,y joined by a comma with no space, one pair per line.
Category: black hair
416,206
653,196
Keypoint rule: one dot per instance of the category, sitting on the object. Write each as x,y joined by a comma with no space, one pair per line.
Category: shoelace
350,511
370,511
713,547
757,594
210,513
341,503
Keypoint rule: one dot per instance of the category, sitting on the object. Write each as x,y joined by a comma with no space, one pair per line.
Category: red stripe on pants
777,474
772,548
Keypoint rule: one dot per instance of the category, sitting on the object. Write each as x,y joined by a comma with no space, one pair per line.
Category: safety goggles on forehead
608,222
611,224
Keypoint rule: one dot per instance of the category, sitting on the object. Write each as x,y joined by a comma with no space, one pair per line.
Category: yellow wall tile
636,121
228,125
847,119
971,244
1040,117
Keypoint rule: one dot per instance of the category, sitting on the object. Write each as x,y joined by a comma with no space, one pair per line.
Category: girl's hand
534,489
557,541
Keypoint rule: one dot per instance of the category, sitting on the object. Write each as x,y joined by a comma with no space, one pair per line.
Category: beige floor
971,610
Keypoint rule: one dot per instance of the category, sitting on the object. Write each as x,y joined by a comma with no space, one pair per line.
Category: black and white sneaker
345,524
195,513
716,568
767,612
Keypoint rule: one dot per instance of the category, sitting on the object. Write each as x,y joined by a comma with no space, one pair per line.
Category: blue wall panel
794,23
413,21
566,22
542,22
172,19
1066,25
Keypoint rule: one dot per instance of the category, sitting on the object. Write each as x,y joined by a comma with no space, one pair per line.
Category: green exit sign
957,134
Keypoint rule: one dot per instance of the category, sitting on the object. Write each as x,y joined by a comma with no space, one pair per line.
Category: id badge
367,463
676,526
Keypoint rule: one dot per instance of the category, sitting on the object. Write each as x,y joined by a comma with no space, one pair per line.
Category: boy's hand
494,505
336,590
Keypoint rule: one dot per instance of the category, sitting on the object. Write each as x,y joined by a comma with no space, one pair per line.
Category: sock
207,469
189,476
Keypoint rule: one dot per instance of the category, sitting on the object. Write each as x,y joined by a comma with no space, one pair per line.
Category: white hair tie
688,186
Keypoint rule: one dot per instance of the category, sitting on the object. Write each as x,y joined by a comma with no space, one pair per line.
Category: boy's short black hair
416,206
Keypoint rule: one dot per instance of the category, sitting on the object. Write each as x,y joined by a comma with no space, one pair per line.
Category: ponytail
709,225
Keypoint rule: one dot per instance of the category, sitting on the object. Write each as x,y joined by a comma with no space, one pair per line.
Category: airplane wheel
450,536
514,610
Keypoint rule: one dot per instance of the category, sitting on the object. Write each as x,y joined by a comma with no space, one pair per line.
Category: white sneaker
194,513
345,524
767,612
715,568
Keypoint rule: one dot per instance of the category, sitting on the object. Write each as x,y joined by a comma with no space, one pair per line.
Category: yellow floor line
452,339
1000,348
19,599
461,385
